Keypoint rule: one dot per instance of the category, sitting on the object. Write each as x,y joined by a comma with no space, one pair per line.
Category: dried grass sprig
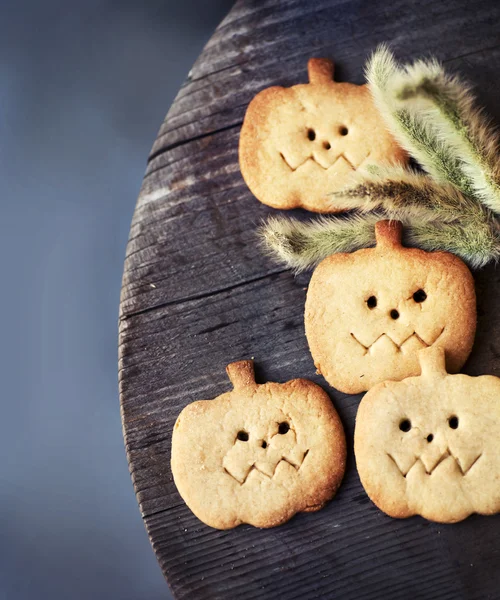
434,115
404,192
476,245
410,131
302,245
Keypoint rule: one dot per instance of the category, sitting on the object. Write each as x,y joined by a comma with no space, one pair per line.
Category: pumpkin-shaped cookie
299,144
258,454
428,445
368,313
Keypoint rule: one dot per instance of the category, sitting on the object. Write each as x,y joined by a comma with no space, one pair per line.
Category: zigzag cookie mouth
446,454
311,158
399,347
255,468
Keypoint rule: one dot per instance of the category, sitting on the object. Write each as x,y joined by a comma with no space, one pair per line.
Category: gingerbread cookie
428,445
258,454
368,313
299,144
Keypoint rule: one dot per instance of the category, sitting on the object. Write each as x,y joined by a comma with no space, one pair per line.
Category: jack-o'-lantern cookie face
428,445
258,454
300,144
368,313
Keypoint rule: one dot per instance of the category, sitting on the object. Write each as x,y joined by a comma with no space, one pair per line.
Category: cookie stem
241,374
320,70
388,234
432,361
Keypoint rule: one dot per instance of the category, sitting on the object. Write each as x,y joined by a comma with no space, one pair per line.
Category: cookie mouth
342,158
254,467
446,455
399,347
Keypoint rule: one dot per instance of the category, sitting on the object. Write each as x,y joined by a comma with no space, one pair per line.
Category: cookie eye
283,428
371,302
405,425
453,422
242,436
419,296
343,130
311,134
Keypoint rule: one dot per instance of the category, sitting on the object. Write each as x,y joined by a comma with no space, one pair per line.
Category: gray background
84,87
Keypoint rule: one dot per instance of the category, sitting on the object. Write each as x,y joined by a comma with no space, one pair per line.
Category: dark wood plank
198,293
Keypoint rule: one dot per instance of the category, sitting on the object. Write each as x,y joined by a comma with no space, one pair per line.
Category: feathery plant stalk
481,174
453,208
302,245
427,105
410,127
475,246
445,166
398,191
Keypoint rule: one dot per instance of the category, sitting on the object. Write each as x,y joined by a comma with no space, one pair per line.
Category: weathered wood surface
198,294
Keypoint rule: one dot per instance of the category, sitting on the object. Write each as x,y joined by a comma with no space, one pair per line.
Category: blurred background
84,87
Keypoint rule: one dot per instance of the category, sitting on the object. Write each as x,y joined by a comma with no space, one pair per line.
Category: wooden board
197,294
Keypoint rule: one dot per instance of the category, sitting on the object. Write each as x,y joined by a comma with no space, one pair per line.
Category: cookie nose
430,437
394,314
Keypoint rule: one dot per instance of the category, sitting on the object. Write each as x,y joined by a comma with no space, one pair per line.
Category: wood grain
198,293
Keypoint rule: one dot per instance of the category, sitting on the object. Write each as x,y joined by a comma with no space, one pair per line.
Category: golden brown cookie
300,144
368,313
258,454
428,445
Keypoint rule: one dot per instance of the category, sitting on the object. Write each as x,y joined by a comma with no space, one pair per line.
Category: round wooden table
198,294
